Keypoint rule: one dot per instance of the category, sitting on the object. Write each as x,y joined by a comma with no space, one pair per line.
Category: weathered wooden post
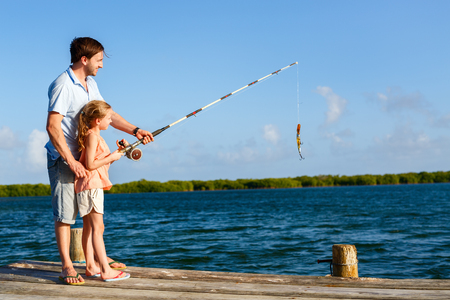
76,247
345,261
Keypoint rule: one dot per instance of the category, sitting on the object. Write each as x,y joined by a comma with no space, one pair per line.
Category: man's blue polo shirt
67,96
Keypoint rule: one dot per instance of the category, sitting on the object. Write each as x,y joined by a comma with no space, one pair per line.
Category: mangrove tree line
144,186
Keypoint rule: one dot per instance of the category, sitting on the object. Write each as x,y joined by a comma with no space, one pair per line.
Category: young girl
96,158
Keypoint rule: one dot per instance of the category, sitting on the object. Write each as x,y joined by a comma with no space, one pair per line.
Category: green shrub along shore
144,186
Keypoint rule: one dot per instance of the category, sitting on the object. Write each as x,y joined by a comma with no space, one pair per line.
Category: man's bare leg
62,233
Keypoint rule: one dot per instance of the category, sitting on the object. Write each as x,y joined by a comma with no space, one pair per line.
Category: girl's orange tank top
98,178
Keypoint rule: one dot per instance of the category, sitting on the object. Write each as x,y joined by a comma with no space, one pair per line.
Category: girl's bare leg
91,267
96,222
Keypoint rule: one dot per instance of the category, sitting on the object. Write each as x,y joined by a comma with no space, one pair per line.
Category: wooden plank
157,289
326,281
46,291
198,290
30,278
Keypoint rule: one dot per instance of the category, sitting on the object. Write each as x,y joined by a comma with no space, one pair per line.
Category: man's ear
84,60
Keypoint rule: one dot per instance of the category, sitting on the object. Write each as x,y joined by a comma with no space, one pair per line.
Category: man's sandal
63,279
116,262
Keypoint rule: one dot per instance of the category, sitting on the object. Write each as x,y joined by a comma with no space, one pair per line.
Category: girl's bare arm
92,163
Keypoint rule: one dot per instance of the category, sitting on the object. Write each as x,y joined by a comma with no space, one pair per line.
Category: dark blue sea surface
400,231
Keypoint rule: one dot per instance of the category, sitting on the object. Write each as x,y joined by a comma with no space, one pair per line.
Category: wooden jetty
39,280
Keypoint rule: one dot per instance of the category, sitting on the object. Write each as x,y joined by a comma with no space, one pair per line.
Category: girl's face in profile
104,123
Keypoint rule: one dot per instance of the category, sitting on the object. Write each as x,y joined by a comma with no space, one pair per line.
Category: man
67,96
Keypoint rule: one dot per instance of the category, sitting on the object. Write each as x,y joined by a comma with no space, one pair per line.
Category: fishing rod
135,154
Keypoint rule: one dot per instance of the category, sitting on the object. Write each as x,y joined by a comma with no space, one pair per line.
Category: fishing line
299,141
298,99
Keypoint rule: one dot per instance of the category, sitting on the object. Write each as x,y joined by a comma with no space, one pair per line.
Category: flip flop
94,276
116,262
118,277
63,279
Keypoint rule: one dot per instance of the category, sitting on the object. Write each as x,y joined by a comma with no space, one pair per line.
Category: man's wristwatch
135,131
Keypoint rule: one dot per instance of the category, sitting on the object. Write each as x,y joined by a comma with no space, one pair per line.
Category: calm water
399,231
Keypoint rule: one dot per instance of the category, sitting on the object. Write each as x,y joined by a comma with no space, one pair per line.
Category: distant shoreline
144,186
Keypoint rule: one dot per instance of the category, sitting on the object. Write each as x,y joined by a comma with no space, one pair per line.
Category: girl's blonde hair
95,109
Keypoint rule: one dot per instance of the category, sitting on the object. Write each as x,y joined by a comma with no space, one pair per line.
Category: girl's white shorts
90,199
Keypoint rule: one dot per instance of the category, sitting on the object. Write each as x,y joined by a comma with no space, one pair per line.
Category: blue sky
373,85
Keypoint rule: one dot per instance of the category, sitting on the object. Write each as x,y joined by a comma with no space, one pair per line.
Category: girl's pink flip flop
118,277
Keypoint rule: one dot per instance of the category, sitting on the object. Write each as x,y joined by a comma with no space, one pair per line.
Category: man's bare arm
121,124
58,140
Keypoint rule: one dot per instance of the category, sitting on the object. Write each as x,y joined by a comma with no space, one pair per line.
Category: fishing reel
134,153
131,151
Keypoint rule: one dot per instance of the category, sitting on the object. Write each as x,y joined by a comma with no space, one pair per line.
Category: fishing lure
299,142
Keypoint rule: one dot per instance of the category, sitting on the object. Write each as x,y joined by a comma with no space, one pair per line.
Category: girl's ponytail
82,130
95,109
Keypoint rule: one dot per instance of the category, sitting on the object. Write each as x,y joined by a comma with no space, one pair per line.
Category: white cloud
23,161
336,104
243,155
251,151
8,138
406,149
395,100
443,121
36,153
271,134
338,141
382,97
405,143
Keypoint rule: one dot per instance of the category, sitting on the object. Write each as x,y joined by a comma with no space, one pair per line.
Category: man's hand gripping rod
134,153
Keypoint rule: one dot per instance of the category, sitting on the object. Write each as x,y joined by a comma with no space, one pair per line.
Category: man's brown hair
84,46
